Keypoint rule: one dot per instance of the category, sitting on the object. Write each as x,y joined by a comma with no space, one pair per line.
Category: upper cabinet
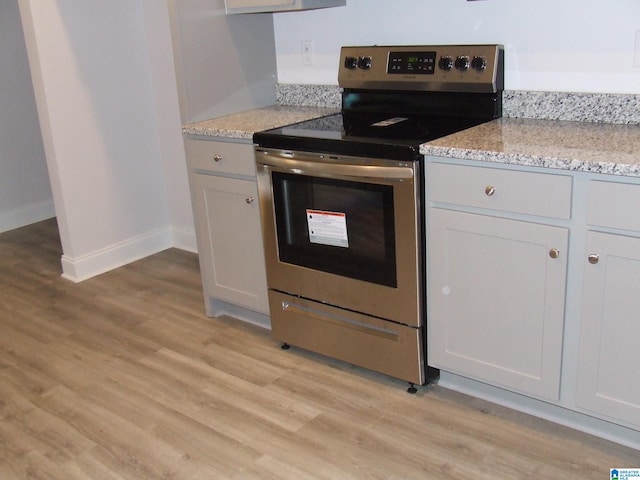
224,64
255,6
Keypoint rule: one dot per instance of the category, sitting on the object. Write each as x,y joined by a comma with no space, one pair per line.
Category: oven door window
336,226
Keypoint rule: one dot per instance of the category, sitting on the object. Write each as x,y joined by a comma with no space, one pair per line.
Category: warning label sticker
327,228
389,121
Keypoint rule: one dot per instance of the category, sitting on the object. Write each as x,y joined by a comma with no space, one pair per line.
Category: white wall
167,114
25,195
104,77
551,45
225,63
108,112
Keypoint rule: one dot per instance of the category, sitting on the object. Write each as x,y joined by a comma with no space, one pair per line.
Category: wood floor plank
173,428
229,458
123,377
21,383
47,434
93,464
220,386
31,465
118,437
269,468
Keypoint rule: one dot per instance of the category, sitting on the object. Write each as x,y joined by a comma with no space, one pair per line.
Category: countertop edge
527,160
243,125
610,149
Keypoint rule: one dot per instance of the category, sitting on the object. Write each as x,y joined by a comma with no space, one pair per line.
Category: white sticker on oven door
389,121
327,228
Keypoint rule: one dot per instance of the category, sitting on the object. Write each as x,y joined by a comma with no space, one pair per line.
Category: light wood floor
124,377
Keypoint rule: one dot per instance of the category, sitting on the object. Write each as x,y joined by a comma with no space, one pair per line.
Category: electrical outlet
307,52
636,55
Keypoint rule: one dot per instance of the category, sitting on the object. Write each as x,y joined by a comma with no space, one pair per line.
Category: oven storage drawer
220,157
386,347
528,193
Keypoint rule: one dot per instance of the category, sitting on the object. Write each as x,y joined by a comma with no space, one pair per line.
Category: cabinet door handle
249,200
554,253
217,157
489,190
593,258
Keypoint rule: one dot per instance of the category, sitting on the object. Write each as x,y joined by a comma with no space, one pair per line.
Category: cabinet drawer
220,157
541,194
614,205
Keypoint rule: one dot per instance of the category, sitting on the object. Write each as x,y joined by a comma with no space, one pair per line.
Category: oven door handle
321,168
341,322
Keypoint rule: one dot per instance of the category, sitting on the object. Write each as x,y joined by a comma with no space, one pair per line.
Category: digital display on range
412,63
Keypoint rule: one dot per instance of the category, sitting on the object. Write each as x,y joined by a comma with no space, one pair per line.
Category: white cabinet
228,230
609,355
533,288
253,6
496,286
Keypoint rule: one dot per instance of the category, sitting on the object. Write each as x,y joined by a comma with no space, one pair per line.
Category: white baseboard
537,408
87,266
185,240
218,307
26,215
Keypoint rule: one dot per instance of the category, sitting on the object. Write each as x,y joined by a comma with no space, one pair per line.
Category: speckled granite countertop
597,133
244,124
612,149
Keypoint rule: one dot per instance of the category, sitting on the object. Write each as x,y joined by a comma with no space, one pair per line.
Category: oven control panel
455,68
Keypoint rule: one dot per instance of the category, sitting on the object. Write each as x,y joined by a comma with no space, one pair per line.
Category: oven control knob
445,63
462,63
364,63
479,63
351,63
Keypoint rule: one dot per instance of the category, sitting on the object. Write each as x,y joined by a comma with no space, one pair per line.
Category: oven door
343,231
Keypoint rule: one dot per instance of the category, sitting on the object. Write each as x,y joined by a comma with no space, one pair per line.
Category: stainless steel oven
341,202
342,242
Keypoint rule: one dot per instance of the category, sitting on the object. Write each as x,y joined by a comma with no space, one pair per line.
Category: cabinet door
254,6
230,240
496,300
231,4
610,330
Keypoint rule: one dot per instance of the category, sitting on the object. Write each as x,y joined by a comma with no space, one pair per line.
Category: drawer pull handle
554,253
593,258
489,190
217,157
249,200
344,323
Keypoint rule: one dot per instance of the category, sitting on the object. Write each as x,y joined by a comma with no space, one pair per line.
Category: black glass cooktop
378,135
